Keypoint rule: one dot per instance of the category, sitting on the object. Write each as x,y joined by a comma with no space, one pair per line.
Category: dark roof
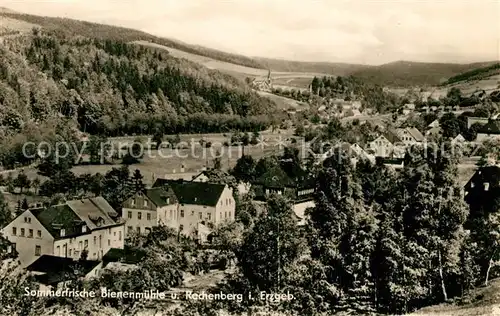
159,196
57,217
276,178
57,268
198,193
123,255
492,127
73,215
392,136
487,174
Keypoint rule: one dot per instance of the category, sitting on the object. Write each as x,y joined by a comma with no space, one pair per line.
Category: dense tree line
376,241
110,32
371,95
56,85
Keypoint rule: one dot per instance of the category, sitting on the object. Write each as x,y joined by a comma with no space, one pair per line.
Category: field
283,102
8,25
168,162
293,79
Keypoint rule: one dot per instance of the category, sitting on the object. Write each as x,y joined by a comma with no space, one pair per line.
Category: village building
200,204
387,144
410,135
52,272
149,208
471,120
66,230
434,123
297,186
489,131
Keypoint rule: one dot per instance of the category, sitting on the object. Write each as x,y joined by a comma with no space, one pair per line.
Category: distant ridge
394,74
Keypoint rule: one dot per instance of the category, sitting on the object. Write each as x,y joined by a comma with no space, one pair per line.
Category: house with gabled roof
434,123
489,131
388,144
209,204
148,208
410,135
293,183
66,230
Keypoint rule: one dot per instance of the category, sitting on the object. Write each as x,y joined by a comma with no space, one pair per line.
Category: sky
353,31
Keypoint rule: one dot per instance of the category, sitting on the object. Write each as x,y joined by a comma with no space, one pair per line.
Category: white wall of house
97,242
30,237
484,137
382,147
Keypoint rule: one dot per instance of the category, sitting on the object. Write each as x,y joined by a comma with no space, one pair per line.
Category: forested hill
103,31
116,88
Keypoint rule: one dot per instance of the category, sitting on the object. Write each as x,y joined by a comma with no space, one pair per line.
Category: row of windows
145,204
139,215
303,192
23,232
228,202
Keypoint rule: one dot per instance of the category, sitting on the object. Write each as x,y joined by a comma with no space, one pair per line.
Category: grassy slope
482,301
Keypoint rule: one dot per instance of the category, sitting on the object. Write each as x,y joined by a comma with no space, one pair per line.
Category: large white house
198,204
66,230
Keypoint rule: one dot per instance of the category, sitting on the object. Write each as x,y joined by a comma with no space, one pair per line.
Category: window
22,232
138,230
14,231
84,229
13,246
209,216
171,214
109,242
132,202
129,215
168,200
139,215
229,214
119,235
95,240
200,215
148,216
86,244
114,234
30,233
70,252
63,232
129,229
145,203
109,231
38,250
225,214
182,213
39,234
29,219
100,241
80,245
58,250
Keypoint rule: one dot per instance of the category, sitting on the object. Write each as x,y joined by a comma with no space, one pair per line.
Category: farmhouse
66,230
